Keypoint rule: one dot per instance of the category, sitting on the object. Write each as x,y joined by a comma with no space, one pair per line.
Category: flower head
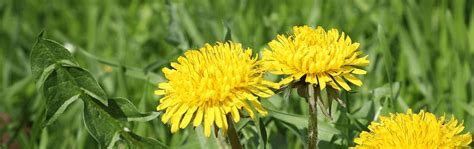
318,56
422,130
210,83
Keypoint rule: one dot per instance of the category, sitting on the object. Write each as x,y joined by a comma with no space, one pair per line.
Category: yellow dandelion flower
422,130
318,56
207,84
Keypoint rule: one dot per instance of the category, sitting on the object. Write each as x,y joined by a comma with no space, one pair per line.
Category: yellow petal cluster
414,131
321,58
207,84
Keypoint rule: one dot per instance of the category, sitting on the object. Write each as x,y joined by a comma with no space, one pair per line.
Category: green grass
420,52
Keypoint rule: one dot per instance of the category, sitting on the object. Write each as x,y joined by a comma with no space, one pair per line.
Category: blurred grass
420,52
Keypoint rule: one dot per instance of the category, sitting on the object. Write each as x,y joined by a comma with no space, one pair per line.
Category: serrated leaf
137,141
60,91
123,109
46,72
63,81
100,124
86,82
48,55
45,53
64,85
59,77
106,123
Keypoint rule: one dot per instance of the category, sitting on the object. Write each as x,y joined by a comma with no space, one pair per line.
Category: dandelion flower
207,84
319,57
422,130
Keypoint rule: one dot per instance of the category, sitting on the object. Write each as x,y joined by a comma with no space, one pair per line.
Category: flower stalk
313,118
232,134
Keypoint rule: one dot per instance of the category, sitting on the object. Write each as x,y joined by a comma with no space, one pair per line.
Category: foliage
62,82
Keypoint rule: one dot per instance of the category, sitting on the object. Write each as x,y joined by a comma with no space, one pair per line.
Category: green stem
313,119
232,134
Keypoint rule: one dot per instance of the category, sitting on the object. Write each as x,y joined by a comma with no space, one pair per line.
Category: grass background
420,52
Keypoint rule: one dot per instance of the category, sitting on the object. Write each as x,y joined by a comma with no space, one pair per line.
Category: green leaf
100,124
361,126
301,122
228,34
262,132
386,91
46,53
64,85
60,79
123,109
287,93
60,91
62,82
204,141
366,111
293,129
241,124
88,84
137,141
160,63
107,123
